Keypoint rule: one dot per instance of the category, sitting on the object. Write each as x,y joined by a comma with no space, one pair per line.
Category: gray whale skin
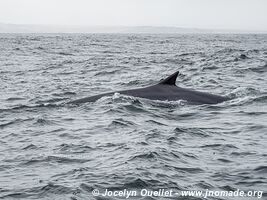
165,90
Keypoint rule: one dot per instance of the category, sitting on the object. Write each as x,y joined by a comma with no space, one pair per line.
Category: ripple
74,148
259,69
150,155
192,131
65,54
219,146
39,191
15,99
44,122
261,169
187,169
53,159
30,147
121,123
138,183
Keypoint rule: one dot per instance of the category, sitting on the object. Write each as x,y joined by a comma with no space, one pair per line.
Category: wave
38,191
30,107
53,159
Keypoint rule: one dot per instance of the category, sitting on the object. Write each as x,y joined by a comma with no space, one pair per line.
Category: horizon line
190,29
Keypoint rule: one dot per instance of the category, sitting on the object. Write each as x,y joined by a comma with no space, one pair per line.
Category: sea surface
53,150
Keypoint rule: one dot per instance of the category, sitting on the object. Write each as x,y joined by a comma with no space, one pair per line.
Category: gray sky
211,14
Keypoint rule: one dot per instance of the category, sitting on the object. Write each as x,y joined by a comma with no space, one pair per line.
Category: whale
164,90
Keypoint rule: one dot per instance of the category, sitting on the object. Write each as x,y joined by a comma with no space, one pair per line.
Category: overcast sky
211,14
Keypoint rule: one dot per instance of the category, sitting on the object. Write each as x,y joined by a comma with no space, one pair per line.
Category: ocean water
52,150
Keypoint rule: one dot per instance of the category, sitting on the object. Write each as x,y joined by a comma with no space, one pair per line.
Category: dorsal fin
170,80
